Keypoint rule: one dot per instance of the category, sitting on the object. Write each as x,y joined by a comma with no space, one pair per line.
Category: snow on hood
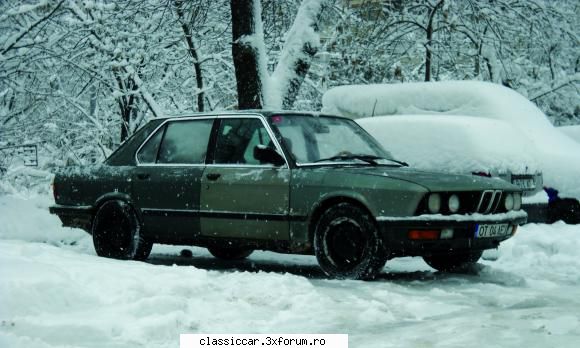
454,144
558,156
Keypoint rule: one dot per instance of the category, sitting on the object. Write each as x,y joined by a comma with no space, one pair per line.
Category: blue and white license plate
489,230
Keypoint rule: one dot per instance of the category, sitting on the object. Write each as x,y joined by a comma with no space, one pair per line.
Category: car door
241,197
167,180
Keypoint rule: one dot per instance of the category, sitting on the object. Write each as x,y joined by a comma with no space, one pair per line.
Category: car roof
264,112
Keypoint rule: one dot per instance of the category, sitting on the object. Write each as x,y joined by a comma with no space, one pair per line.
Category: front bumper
395,232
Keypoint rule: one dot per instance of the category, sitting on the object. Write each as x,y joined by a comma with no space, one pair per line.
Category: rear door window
185,142
179,142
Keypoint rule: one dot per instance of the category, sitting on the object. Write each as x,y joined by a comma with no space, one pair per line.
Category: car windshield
329,140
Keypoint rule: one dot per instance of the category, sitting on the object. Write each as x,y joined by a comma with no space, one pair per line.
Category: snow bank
558,156
454,144
28,219
548,252
65,296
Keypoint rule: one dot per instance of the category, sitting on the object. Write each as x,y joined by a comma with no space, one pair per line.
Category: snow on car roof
455,144
467,98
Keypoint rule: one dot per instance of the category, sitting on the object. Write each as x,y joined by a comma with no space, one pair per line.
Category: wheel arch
328,202
116,196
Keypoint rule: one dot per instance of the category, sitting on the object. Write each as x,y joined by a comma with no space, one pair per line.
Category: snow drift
55,294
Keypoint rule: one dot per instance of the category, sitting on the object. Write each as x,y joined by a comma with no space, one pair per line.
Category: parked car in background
287,182
453,144
557,156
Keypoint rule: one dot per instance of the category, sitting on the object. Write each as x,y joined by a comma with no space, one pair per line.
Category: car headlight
453,203
509,202
517,201
434,203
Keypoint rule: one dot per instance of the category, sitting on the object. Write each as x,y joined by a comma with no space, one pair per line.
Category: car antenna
374,106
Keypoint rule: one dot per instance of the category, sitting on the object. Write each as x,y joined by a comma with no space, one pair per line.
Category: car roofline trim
261,117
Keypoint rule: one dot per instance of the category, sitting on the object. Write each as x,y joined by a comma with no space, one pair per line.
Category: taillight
54,191
482,174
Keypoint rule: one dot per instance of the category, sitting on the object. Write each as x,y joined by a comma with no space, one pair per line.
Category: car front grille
482,202
489,202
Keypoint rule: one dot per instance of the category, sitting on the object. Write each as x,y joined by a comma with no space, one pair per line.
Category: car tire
230,253
116,232
347,243
453,262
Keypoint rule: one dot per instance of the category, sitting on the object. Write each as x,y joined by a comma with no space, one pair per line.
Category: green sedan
288,182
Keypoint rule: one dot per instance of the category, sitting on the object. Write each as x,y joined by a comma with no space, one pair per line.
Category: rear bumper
395,232
74,216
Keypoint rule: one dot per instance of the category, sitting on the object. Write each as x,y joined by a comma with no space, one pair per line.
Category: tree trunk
428,53
245,52
193,52
126,104
300,47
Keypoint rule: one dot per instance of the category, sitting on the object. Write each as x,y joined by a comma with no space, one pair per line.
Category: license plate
524,183
496,230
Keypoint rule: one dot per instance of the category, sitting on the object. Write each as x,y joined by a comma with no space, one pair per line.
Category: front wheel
347,243
116,232
453,262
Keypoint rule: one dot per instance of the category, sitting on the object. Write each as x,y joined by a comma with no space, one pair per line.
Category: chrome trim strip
243,165
71,207
180,165
477,217
494,208
209,117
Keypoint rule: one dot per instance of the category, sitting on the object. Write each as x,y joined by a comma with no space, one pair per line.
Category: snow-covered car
298,183
557,156
571,131
453,144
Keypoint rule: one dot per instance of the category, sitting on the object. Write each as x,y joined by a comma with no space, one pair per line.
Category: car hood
434,181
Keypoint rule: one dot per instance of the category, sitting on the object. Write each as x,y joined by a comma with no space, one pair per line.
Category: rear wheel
347,243
230,253
453,262
116,232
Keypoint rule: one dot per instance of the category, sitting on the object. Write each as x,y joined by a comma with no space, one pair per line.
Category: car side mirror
266,154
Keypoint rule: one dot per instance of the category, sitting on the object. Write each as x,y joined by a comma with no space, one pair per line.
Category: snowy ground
54,292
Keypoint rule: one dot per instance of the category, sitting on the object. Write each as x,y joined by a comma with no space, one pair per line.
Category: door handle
213,176
143,176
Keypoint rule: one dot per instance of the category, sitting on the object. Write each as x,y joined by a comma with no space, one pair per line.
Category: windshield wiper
402,163
370,159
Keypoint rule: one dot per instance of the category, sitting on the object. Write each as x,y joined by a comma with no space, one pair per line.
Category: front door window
237,138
